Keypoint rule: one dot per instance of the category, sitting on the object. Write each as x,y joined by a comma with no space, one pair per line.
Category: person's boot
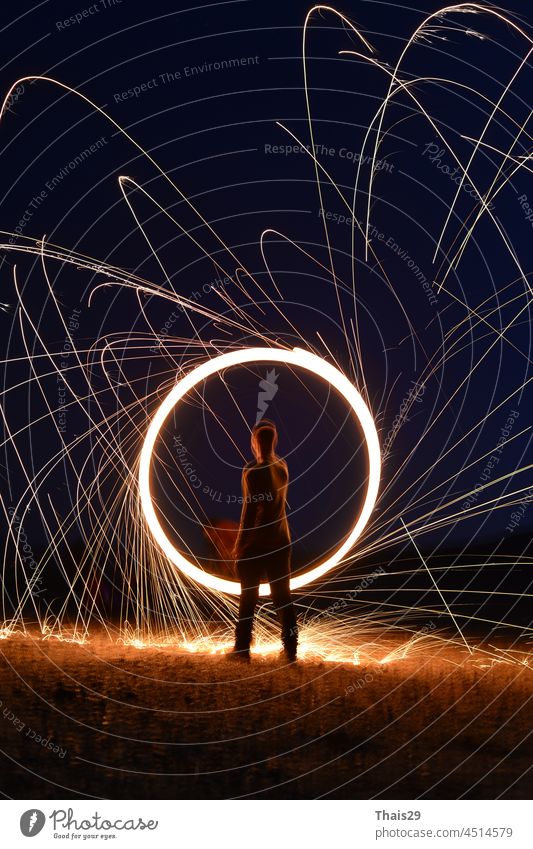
290,648
238,654
243,639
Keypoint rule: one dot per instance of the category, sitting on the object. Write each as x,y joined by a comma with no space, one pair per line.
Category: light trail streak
436,585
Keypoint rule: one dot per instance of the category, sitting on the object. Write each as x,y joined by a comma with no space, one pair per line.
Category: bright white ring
296,357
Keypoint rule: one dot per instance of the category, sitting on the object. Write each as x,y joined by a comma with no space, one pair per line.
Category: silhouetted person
263,545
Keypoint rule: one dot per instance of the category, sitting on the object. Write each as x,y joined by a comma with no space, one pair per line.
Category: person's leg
279,572
247,603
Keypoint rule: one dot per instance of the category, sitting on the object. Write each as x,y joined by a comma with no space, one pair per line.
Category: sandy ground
108,721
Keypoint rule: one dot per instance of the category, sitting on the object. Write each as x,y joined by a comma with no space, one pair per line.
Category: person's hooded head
264,440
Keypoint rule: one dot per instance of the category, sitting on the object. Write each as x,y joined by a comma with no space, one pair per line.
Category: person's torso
267,485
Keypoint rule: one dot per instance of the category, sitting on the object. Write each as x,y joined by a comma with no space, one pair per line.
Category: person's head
264,439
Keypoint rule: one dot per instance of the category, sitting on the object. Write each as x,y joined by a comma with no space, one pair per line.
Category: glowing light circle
297,357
